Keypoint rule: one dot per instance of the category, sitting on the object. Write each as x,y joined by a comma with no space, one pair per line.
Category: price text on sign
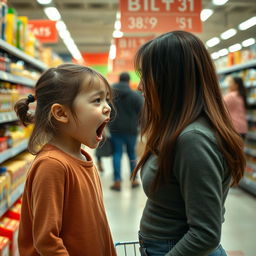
160,15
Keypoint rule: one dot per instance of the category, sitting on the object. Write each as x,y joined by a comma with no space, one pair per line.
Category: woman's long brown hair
180,84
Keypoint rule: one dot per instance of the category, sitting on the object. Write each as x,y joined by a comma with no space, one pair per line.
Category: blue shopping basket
127,248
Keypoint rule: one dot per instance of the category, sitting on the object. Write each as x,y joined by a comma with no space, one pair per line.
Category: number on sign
142,23
184,5
184,23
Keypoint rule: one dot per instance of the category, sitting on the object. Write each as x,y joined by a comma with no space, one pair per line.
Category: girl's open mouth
100,130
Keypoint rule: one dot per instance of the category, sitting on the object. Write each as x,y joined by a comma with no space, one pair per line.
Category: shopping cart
127,248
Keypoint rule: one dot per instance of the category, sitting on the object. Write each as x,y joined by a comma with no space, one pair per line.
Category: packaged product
9,228
4,246
14,212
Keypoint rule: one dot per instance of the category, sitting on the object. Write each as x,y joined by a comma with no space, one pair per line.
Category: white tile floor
124,210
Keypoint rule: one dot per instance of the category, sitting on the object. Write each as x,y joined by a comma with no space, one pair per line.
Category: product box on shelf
17,172
4,246
9,228
14,212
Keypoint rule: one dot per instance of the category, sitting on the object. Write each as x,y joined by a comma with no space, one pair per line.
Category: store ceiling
91,22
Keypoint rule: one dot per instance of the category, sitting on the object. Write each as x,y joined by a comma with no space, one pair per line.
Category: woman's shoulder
200,128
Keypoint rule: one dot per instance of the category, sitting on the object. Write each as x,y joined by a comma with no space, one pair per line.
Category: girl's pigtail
21,108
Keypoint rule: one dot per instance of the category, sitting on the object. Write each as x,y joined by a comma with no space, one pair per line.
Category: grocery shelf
8,117
11,152
4,76
249,64
14,197
248,184
21,55
251,135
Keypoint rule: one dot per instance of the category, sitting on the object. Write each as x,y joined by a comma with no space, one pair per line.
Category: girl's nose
106,109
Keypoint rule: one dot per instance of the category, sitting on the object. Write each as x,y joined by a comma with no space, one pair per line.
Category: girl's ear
59,112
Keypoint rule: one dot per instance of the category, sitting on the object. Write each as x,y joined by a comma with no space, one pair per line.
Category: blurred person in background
192,154
123,126
235,101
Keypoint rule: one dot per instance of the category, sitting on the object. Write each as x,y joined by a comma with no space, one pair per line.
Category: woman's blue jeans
150,247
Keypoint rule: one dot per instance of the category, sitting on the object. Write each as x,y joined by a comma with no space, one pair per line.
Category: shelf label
44,30
160,16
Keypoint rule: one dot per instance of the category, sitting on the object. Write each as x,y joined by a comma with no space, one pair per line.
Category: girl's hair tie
31,98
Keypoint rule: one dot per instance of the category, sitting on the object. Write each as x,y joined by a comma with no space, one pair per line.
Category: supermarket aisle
124,211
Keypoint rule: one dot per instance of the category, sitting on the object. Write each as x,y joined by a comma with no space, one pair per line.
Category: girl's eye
98,100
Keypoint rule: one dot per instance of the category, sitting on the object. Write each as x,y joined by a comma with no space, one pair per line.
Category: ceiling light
64,34
52,13
248,42
44,2
118,15
219,2
213,41
223,52
248,23
215,55
117,25
117,34
112,51
235,47
60,25
205,14
228,33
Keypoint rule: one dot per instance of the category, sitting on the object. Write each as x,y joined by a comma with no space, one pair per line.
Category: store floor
124,210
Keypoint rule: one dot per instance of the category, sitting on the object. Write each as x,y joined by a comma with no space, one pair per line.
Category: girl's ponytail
21,108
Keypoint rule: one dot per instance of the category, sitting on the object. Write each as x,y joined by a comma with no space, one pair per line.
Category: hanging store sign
44,30
160,16
126,48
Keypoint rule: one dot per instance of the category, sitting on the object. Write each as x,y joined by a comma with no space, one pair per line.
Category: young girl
62,208
192,151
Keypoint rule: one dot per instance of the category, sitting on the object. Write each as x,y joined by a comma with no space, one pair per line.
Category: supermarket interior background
105,34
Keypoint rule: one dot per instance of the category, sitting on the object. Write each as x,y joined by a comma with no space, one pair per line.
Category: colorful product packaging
9,228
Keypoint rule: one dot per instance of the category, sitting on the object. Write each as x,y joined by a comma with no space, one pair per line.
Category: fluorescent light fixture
223,52
213,41
228,33
235,47
112,51
215,55
118,34
248,42
219,2
44,2
52,13
248,23
118,15
64,34
60,25
205,14
117,25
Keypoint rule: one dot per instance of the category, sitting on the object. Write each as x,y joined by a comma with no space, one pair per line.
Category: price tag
160,15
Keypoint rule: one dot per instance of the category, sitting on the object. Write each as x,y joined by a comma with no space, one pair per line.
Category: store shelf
9,153
238,67
251,152
8,117
21,55
4,76
15,195
251,135
248,184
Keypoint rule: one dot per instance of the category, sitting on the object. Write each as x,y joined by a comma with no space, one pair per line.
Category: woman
235,101
193,153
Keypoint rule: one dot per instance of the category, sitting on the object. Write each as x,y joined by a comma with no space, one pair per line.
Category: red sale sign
44,30
160,15
126,48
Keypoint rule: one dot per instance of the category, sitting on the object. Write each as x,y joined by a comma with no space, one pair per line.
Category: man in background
124,126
